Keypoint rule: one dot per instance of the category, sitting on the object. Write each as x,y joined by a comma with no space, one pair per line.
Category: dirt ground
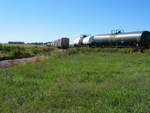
9,63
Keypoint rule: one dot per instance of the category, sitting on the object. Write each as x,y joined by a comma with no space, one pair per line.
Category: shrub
36,50
57,54
7,48
71,51
147,51
1,47
16,53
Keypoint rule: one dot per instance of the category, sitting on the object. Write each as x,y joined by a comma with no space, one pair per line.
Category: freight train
117,38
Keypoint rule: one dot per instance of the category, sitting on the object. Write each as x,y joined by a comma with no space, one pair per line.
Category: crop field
21,50
79,81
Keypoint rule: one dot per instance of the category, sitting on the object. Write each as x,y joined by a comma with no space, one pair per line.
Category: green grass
84,82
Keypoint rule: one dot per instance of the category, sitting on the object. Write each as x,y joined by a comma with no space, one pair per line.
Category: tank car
121,39
78,42
87,41
62,43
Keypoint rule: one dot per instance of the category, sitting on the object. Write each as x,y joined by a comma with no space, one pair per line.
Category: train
117,38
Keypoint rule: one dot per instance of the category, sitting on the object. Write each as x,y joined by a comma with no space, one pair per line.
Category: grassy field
78,82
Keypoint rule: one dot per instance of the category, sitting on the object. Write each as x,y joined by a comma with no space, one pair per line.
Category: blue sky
48,20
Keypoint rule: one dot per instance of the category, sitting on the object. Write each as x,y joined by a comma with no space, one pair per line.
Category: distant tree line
16,42
37,43
33,43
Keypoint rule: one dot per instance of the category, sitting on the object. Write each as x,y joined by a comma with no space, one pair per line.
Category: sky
48,20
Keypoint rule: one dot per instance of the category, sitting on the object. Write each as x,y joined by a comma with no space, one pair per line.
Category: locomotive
117,38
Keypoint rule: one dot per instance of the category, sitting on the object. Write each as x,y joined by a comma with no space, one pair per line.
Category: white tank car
88,41
78,42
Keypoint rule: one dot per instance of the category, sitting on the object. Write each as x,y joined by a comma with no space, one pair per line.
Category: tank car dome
88,40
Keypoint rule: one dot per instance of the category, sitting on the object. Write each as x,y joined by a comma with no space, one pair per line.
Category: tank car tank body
87,41
120,39
76,42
